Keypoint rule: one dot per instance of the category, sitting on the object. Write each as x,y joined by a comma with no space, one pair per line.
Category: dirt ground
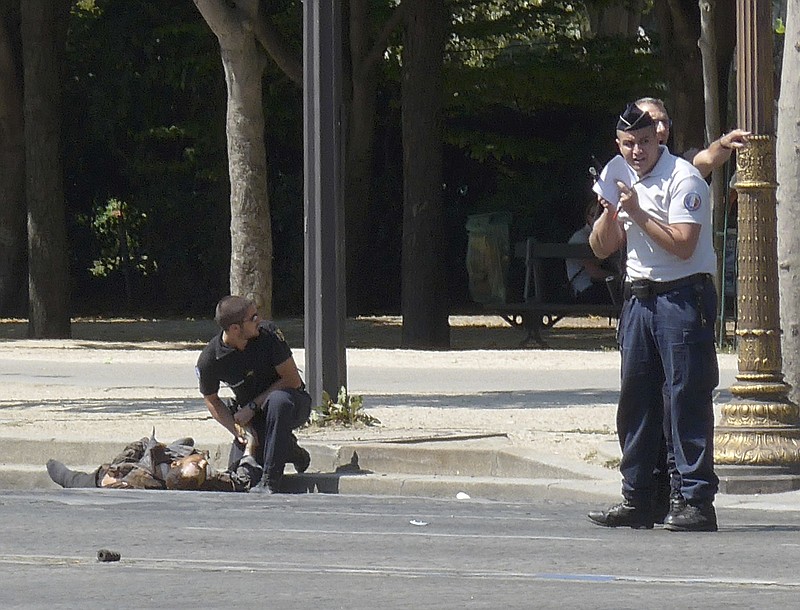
466,332
578,431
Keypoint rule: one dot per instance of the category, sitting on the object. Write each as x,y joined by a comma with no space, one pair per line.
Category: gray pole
326,366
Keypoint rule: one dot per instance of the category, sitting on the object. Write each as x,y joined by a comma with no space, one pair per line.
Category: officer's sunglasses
253,318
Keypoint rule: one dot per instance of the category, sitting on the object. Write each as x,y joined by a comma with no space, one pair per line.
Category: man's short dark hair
231,310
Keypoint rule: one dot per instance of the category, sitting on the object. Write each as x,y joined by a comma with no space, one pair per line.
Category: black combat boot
675,504
624,514
692,518
70,478
269,484
299,457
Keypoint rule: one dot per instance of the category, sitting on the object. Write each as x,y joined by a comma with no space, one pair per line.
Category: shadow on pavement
166,408
517,399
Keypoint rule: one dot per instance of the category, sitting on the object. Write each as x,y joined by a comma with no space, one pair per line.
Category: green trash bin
488,255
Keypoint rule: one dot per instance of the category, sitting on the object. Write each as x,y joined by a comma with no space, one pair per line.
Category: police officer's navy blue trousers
283,411
669,370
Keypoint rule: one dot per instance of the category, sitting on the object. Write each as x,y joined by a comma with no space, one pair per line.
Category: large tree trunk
44,28
13,231
251,229
679,31
424,290
788,196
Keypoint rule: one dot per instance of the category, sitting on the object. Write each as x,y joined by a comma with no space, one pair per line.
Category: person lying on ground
149,464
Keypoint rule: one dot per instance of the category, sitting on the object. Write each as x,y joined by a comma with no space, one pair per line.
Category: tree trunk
424,286
44,28
679,31
251,228
788,197
13,230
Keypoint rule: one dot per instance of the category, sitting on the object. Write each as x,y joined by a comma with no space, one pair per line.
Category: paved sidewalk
494,424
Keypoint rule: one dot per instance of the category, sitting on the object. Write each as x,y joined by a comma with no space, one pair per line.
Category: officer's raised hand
628,199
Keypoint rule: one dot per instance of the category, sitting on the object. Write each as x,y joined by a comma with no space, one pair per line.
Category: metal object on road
105,555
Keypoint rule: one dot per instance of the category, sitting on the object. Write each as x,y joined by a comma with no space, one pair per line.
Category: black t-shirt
248,372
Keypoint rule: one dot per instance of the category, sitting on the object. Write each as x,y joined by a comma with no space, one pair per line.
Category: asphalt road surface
205,550
371,372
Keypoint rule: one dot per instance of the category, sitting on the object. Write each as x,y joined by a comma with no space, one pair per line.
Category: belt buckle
642,291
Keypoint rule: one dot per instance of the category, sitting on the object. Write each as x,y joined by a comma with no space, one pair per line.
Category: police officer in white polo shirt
666,330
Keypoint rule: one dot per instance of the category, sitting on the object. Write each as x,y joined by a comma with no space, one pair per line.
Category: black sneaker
692,518
623,514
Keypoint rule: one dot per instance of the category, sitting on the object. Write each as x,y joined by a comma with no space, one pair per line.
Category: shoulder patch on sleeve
279,334
692,201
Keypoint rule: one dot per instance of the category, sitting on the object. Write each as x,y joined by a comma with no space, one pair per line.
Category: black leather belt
645,289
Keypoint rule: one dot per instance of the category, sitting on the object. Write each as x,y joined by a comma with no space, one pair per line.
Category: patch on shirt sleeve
692,202
279,334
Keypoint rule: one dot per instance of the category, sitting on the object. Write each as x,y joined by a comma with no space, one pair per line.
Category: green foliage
117,226
144,123
347,410
513,60
531,95
145,110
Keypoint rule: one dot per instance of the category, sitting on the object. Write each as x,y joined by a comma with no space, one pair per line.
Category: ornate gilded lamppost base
757,444
757,448
758,434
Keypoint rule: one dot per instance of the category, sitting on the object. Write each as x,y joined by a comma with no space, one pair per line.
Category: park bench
546,294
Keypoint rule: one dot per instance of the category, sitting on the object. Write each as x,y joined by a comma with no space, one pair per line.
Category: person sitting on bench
588,278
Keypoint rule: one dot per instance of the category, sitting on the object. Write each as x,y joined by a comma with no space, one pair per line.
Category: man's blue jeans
669,370
283,411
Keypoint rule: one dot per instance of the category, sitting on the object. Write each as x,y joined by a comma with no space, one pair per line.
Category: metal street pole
325,357
760,427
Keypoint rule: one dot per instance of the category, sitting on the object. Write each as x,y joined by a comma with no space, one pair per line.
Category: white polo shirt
673,192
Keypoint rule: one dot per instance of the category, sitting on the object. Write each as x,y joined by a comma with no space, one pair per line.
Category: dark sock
70,478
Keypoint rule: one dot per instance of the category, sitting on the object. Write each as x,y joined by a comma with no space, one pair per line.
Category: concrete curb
488,468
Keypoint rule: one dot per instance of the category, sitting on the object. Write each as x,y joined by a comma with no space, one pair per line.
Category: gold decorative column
760,427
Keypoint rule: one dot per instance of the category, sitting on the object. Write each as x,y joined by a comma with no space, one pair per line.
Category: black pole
326,366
